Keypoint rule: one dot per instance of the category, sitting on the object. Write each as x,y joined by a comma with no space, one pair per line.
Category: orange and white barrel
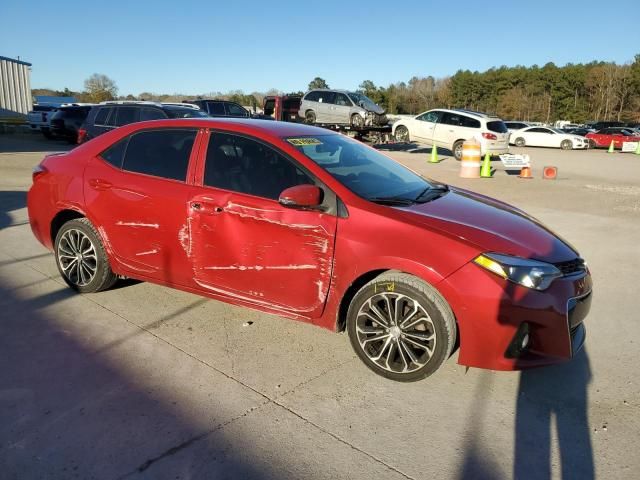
470,164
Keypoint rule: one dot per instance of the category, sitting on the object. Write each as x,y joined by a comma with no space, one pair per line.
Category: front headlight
523,271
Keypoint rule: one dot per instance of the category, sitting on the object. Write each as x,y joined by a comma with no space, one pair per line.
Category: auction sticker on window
303,142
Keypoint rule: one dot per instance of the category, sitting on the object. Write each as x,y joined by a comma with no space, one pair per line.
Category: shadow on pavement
9,201
554,393
411,148
68,412
478,464
31,142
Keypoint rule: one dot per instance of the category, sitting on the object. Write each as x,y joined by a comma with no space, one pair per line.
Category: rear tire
401,327
457,150
81,258
310,117
519,142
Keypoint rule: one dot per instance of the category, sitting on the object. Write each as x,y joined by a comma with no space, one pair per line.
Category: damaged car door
135,192
244,244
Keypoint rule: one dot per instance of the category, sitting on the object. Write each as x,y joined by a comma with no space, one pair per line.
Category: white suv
450,128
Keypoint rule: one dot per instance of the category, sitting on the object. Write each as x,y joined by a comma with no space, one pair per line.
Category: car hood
491,225
373,107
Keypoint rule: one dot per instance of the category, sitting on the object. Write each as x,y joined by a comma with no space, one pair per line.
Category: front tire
401,327
357,121
519,142
81,258
402,134
566,145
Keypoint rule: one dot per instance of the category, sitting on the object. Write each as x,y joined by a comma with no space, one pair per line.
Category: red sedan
305,223
618,136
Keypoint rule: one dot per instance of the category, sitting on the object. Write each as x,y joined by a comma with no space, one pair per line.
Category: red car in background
617,135
305,223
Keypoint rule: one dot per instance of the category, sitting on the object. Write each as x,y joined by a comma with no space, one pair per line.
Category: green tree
318,83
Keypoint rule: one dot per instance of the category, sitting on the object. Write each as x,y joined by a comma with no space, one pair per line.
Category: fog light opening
520,342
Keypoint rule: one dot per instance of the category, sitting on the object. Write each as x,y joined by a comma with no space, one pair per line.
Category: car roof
268,127
466,112
331,90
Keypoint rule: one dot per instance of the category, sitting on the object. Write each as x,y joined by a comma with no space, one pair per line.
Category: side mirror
301,196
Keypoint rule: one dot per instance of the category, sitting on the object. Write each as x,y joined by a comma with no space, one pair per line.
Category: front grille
571,267
380,120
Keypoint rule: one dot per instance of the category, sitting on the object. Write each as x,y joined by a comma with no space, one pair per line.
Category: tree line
575,92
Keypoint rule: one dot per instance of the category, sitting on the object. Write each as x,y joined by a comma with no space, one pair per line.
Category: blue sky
205,46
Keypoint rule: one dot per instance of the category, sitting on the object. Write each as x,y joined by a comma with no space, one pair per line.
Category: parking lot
144,381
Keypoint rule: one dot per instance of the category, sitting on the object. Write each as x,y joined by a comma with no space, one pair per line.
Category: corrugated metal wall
15,87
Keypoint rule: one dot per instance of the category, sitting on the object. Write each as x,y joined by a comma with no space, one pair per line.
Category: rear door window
162,153
327,97
469,122
216,108
127,115
115,153
151,114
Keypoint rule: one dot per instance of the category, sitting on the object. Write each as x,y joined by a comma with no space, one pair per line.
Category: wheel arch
350,292
60,218
366,277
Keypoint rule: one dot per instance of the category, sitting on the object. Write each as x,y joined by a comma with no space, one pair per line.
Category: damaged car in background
341,107
309,224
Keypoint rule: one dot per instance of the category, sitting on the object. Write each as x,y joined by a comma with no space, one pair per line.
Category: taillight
82,135
37,171
489,136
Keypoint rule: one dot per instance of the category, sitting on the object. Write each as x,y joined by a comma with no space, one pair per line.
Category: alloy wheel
395,332
77,257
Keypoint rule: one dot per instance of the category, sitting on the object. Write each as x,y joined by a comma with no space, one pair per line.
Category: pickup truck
40,117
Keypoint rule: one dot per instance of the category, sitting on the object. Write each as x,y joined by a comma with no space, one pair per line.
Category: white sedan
547,137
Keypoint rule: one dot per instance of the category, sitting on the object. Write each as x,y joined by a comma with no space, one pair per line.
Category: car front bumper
493,316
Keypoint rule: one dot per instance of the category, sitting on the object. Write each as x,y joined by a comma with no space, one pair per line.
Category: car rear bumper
494,149
494,316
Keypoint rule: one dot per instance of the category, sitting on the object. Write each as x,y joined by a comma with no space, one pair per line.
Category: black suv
109,115
66,122
220,108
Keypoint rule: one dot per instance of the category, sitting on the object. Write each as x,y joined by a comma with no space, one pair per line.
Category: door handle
100,184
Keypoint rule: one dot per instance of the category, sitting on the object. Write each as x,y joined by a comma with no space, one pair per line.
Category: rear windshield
181,112
43,108
75,112
497,126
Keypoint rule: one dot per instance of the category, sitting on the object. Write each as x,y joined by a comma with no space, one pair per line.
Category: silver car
340,107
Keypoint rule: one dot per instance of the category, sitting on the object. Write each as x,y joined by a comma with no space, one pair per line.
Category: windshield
361,169
182,112
357,98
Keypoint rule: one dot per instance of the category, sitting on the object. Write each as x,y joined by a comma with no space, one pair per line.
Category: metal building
15,88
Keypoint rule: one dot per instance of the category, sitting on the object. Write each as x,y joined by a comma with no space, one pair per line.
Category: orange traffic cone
525,172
